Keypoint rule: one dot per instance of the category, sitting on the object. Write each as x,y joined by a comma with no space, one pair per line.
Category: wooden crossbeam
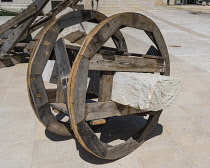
124,63
101,110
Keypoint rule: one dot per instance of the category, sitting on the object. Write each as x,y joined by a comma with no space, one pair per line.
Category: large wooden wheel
78,82
89,58
41,54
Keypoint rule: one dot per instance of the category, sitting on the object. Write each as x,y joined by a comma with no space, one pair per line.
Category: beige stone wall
105,6
116,6
160,2
22,1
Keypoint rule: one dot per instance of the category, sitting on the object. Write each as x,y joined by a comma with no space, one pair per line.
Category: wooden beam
61,107
51,94
59,94
101,110
98,122
19,46
20,18
20,30
63,64
124,63
105,86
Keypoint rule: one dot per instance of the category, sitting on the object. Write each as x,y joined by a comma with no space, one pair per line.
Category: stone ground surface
182,137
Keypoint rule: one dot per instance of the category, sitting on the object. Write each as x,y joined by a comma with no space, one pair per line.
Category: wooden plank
124,63
18,47
61,107
59,94
6,33
63,64
18,19
98,122
73,47
51,94
101,110
39,24
16,36
105,86
21,29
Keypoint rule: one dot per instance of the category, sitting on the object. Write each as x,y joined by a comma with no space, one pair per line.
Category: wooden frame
39,58
77,82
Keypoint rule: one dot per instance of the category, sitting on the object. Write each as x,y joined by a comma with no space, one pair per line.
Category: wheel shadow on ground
117,130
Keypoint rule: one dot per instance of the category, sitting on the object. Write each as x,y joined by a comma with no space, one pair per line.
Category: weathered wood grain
44,49
93,42
61,107
20,30
105,86
42,106
78,82
98,122
60,93
101,110
124,63
78,88
20,18
51,94
13,39
63,64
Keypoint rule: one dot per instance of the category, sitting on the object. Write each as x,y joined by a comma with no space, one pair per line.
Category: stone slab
144,91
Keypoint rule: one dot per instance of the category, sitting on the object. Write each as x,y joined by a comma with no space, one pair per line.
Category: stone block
149,92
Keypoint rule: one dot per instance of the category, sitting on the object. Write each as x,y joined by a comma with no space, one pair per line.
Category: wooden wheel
108,61
87,60
40,55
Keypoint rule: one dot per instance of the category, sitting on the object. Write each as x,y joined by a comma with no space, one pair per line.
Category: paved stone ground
182,137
